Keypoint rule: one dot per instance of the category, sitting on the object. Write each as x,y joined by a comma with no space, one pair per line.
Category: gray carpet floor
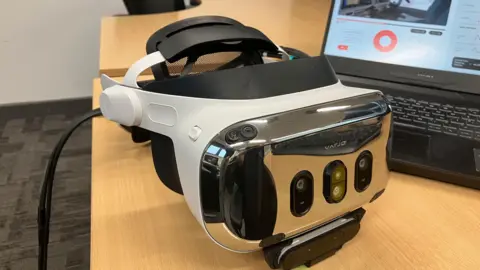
28,133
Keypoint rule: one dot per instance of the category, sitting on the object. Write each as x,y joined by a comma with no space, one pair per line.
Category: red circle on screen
393,41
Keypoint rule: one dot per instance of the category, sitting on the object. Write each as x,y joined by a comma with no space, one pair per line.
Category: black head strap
169,30
194,37
213,39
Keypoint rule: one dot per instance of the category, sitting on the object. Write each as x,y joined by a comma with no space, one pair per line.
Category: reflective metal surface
248,168
293,124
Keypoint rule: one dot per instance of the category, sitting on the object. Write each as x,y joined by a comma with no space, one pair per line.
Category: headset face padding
165,163
248,135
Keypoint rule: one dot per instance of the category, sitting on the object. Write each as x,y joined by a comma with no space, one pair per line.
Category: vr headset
266,145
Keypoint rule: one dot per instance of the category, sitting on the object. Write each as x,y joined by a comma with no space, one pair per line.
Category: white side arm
140,66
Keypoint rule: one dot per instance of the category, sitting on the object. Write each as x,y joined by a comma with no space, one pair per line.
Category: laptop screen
439,35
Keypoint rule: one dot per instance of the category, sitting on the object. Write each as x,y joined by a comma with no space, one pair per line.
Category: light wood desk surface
137,223
294,23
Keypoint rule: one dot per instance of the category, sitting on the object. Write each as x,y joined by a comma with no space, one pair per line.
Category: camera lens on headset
301,193
363,171
239,134
301,185
335,182
363,163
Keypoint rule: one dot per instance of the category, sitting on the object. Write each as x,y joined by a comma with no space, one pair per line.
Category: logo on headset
336,145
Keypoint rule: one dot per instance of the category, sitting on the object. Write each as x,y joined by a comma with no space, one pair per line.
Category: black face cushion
252,82
165,163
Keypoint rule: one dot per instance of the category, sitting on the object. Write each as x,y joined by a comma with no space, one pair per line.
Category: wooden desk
137,223
294,23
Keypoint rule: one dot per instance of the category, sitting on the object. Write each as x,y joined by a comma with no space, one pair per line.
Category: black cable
45,202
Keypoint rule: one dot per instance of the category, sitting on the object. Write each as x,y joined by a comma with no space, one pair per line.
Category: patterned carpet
27,135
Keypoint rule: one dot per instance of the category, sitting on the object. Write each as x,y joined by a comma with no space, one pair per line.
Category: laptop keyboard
435,117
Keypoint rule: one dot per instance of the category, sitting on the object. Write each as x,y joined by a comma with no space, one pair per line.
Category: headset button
248,132
233,136
194,133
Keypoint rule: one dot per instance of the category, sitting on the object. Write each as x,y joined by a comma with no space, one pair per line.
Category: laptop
425,56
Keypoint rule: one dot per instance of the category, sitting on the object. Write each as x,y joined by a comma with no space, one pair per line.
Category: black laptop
425,56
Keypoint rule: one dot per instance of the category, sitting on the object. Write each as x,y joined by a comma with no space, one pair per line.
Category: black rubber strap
213,39
169,30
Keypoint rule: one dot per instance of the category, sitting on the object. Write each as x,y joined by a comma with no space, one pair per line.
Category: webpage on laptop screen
432,34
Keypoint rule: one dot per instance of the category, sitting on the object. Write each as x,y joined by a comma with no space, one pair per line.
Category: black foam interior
163,153
252,82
